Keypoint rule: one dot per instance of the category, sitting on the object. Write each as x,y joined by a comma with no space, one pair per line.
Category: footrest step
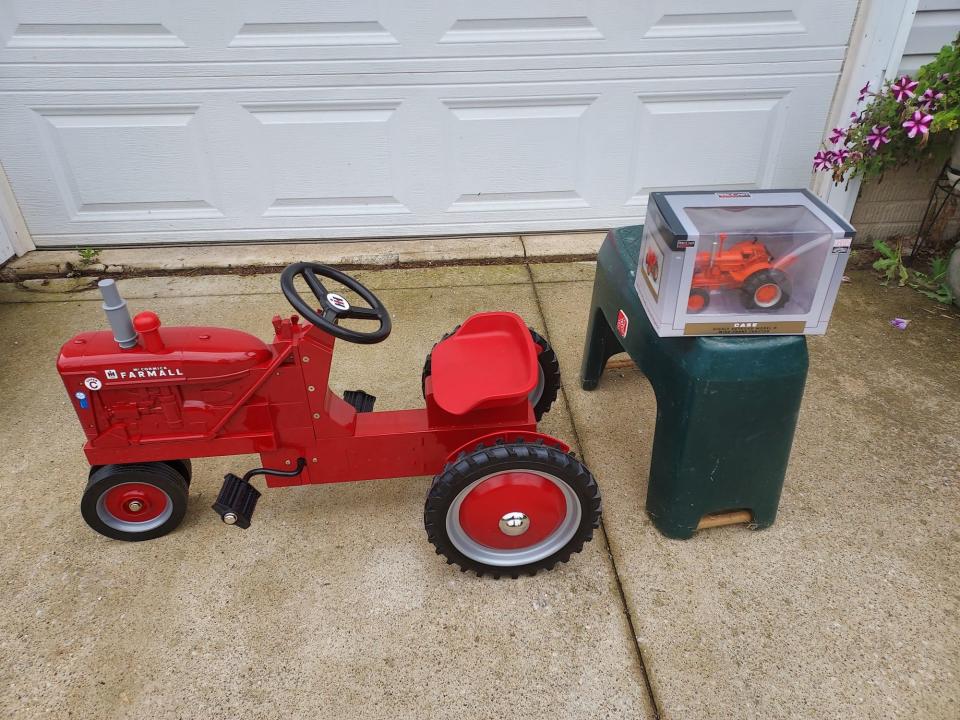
236,502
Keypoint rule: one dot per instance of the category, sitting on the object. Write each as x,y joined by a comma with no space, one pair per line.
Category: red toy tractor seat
490,361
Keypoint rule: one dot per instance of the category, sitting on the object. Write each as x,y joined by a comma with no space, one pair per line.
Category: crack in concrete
654,704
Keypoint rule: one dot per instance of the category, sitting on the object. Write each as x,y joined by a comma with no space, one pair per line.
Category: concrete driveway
333,605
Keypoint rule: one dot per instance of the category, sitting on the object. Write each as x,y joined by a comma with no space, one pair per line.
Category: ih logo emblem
622,323
338,302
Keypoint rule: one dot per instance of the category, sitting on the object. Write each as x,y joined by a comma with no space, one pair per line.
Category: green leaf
939,266
881,247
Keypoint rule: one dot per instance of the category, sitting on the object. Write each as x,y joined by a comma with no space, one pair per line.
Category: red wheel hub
695,302
135,502
767,293
536,497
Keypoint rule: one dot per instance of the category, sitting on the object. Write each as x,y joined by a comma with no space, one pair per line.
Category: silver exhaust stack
115,308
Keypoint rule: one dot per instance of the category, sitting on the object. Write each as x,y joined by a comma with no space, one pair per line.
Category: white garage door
149,121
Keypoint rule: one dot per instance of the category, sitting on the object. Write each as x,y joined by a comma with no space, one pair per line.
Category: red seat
490,361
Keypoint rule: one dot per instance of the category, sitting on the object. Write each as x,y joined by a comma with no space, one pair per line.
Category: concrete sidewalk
334,605
264,257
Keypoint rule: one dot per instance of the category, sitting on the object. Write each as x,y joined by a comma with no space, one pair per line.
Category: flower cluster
897,122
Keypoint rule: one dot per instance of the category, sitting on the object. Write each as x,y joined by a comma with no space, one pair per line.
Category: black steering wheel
335,306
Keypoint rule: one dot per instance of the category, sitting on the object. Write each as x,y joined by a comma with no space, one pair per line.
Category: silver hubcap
514,523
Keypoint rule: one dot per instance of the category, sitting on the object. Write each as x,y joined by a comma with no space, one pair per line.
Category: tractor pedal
237,501
363,402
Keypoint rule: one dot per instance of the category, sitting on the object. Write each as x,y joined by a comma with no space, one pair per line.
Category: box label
793,327
731,195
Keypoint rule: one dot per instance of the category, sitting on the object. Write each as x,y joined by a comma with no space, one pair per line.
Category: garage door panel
142,122
227,31
513,153
328,158
727,137
127,162
688,24
317,161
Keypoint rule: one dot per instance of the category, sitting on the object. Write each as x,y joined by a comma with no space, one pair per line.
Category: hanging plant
906,120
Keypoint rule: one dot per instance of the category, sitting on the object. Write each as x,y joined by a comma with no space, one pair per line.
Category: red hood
191,353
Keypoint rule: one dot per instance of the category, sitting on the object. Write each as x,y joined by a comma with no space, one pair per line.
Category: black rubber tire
766,277
699,292
484,460
159,474
184,467
549,369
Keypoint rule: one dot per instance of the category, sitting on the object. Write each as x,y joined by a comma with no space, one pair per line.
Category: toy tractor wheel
184,467
766,290
548,375
138,501
512,509
698,300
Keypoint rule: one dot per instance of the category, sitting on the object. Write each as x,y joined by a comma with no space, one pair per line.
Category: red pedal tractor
505,500
747,266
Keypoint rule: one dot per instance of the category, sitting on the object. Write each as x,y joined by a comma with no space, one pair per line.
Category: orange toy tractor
747,266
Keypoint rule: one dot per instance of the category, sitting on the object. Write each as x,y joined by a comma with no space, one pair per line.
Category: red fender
510,436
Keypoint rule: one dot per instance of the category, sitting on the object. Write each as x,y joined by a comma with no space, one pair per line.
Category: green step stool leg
726,407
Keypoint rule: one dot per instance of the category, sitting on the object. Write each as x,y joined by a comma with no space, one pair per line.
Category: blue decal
82,398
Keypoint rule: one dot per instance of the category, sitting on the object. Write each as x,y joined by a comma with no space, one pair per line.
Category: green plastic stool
727,407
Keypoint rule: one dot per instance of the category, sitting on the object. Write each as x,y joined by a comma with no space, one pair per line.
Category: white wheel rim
768,303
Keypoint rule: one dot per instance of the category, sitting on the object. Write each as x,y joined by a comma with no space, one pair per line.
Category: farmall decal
144,373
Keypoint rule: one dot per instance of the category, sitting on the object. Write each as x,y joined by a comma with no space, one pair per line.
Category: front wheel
512,509
134,502
698,300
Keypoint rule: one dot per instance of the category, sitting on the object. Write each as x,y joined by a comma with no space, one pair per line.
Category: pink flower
944,77
929,98
823,160
903,88
837,135
919,122
878,136
841,155
864,91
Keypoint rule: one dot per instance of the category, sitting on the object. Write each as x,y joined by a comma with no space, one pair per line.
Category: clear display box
763,262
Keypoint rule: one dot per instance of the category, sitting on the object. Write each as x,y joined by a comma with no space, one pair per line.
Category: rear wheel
766,290
512,509
548,373
138,501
